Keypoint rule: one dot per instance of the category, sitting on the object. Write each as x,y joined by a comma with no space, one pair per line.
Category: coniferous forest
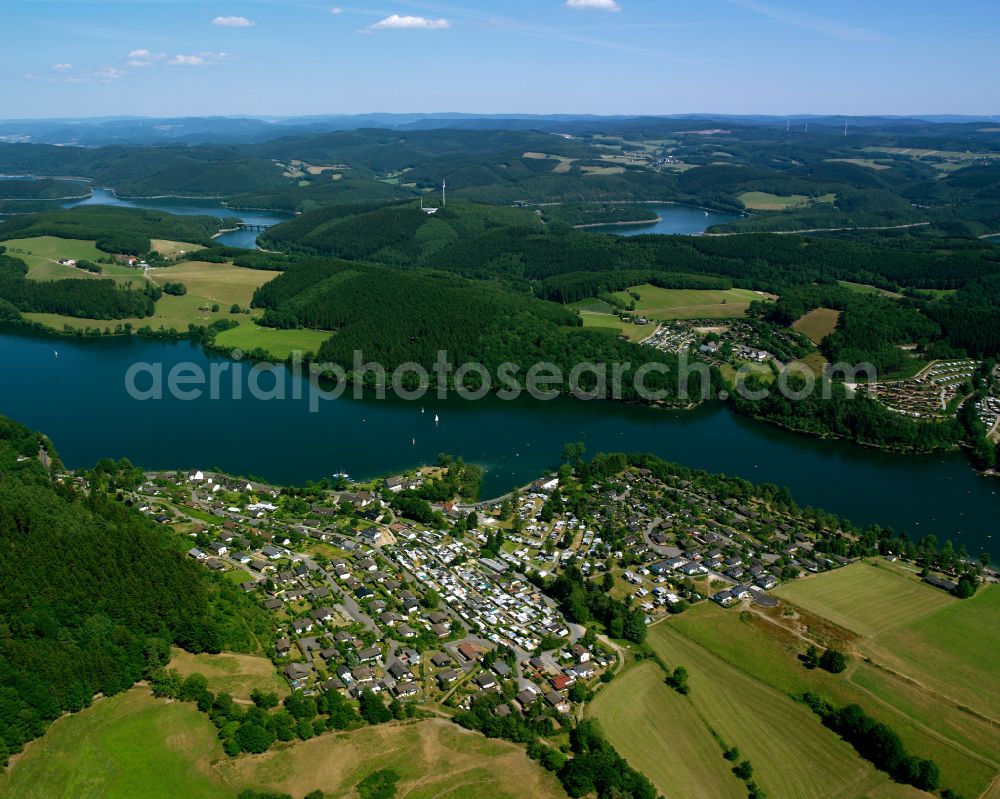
95,594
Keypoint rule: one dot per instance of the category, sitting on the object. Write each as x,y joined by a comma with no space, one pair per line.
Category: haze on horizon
168,58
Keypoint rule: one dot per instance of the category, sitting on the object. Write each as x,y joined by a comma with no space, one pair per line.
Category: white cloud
144,58
233,22
337,10
396,22
187,61
109,73
200,60
598,5
98,75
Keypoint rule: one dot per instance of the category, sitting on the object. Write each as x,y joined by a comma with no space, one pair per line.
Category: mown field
792,753
814,362
42,255
953,651
172,249
817,324
133,746
764,201
611,322
279,343
870,163
866,598
767,645
661,734
864,288
434,759
124,747
236,674
932,659
221,283
207,285
657,303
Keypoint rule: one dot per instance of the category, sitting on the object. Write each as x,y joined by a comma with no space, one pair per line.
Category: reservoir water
683,220
79,399
187,207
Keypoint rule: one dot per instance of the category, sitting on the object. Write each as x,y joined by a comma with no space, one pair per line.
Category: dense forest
115,229
43,189
95,594
393,317
869,330
489,242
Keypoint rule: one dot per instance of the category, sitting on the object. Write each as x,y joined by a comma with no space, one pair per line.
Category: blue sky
174,57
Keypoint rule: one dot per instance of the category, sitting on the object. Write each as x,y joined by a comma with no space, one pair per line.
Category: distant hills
100,131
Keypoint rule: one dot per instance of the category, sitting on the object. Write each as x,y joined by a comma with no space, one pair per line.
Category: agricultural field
433,758
814,362
173,249
611,322
864,288
601,170
222,283
817,324
663,304
792,753
932,658
278,343
126,746
42,256
207,285
133,745
763,201
562,164
233,673
865,598
766,645
951,650
661,734
870,163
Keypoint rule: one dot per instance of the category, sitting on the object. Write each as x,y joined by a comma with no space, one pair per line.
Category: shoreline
653,221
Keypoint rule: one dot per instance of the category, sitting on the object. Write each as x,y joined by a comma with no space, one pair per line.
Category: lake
79,399
677,220
186,207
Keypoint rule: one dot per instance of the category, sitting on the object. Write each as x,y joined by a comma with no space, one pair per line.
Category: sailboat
436,418
413,442
421,410
706,213
56,353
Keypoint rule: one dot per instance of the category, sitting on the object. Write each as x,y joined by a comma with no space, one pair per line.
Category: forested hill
485,241
394,316
114,229
94,594
399,234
